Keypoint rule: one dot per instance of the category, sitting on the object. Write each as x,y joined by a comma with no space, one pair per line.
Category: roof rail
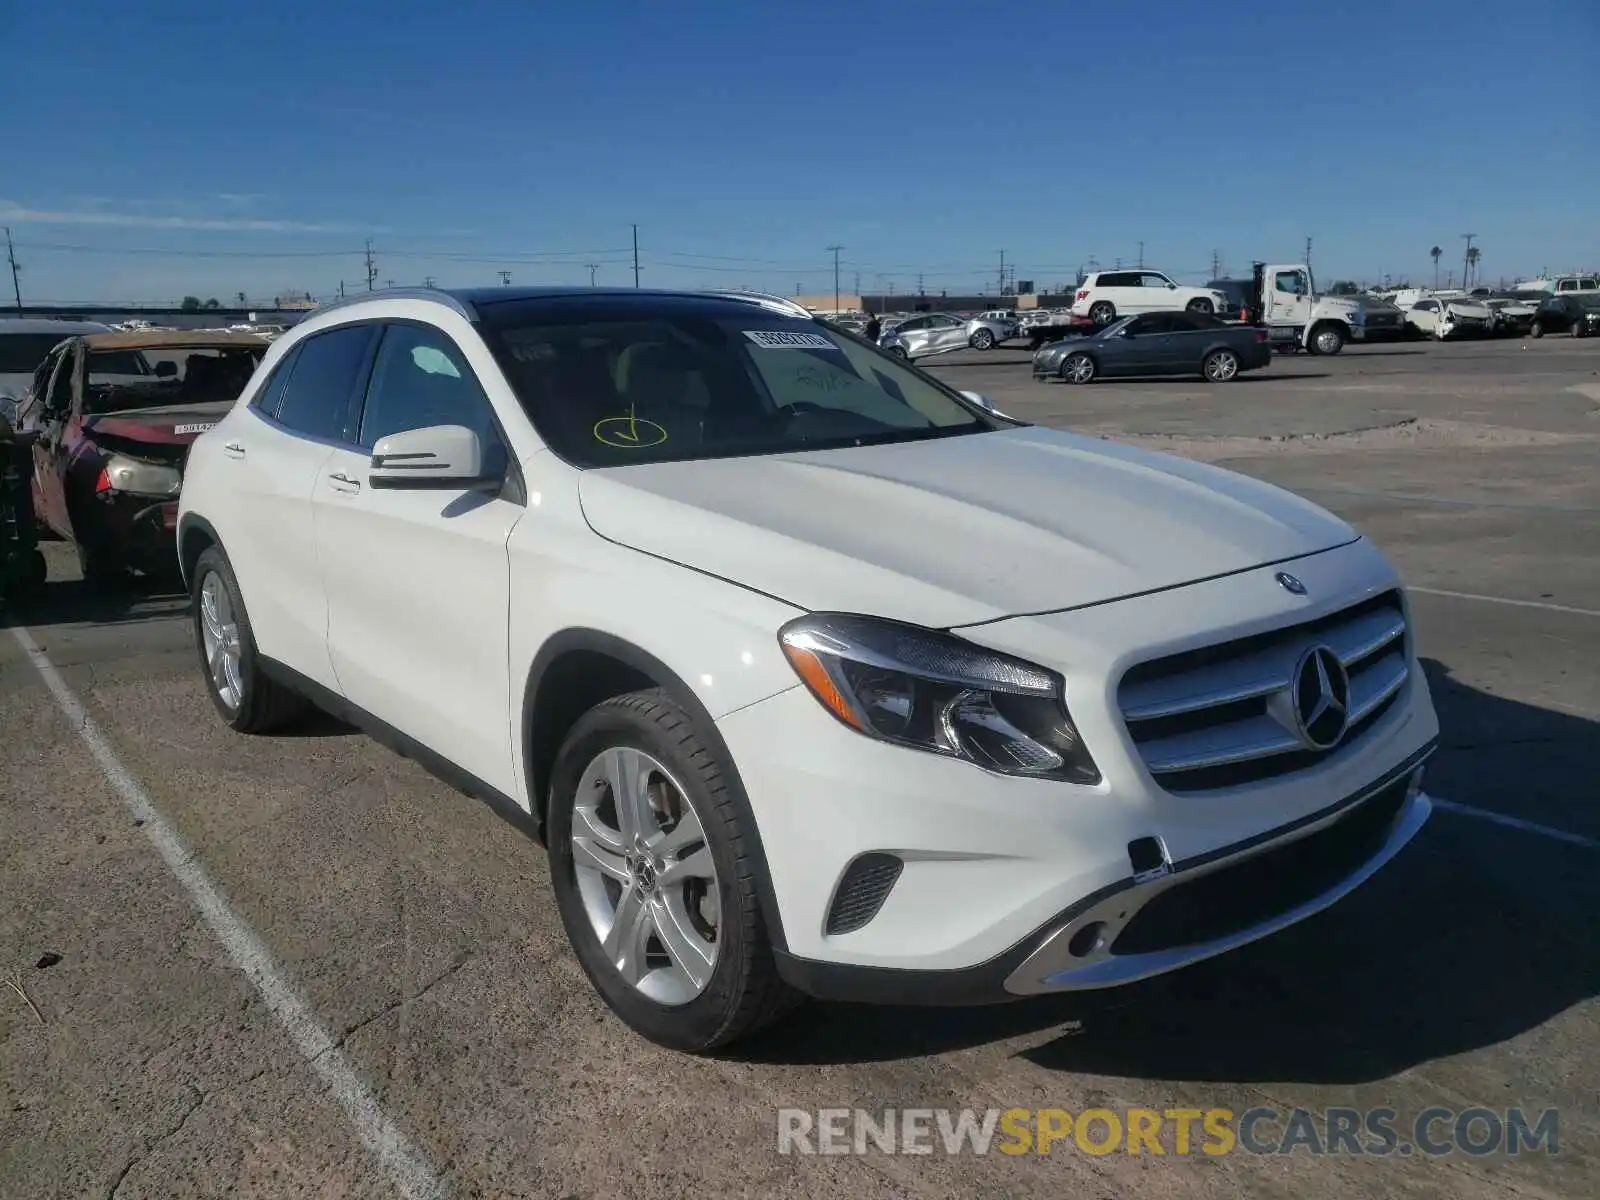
409,293
777,303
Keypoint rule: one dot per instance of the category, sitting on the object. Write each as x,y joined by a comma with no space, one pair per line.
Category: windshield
614,392
121,380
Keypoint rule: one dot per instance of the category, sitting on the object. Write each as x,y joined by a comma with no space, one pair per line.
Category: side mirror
438,458
166,369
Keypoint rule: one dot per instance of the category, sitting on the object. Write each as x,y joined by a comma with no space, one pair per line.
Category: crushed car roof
151,339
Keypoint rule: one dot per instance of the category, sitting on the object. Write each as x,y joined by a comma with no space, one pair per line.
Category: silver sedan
939,333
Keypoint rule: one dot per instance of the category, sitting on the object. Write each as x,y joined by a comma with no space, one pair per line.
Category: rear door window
316,400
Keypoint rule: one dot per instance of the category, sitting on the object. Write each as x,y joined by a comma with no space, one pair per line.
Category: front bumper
1087,946
993,867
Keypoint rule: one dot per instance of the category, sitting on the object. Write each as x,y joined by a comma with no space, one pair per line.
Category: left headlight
930,691
140,478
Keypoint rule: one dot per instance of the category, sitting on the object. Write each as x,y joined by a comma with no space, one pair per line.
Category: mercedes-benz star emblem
1291,584
1321,698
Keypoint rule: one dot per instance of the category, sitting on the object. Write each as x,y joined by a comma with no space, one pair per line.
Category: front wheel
1220,366
246,698
1536,329
1202,306
900,353
1327,340
1579,328
1078,368
654,877
983,339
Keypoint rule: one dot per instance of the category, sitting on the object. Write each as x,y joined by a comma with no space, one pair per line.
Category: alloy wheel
1079,368
219,634
645,875
1221,367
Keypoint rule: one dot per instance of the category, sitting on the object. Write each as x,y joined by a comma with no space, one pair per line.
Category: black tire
744,992
265,704
1078,368
900,353
1536,329
1580,328
1202,306
983,340
1103,312
1326,339
102,571
1220,366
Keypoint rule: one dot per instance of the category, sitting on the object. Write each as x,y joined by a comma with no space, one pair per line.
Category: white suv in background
814,675
1106,295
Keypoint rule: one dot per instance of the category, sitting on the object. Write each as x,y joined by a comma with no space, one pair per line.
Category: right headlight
935,692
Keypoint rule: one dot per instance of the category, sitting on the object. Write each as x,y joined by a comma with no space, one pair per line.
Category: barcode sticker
773,339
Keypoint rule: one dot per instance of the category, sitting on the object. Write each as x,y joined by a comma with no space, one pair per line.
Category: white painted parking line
1484,814
407,1167
1561,608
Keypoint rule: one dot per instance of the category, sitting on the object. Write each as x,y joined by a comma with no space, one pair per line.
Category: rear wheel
1103,313
654,877
1078,368
1580,327
245,697
1536,329
1220,366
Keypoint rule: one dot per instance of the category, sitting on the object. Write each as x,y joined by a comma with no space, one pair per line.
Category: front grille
1265,886
1219,716
863,888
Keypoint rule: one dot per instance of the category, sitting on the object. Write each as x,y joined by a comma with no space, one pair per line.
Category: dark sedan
1577,314
1160,343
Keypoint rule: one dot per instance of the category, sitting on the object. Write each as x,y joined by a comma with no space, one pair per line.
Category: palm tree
1473,255
1435,253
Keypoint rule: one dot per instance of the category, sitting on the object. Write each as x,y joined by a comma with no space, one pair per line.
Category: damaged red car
115,414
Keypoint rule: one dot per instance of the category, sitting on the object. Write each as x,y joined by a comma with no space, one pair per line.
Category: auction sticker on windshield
773,339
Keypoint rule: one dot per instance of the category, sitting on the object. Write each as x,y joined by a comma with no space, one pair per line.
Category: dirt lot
412,1022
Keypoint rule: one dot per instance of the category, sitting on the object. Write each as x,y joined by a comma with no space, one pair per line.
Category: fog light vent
862,889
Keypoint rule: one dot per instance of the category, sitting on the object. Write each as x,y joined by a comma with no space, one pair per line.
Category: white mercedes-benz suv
813,675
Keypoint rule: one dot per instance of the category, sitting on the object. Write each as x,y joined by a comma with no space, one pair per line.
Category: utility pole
388,283
1466,263
11,254
1308,251
372,267
1141,255
341,289
1002,271
427,281
1216,265
593,267
505,278
835,251
921,291
858,283
635,256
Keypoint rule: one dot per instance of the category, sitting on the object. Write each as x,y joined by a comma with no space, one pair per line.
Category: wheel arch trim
579,639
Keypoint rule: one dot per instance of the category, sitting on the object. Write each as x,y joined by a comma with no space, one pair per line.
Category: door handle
343,483
233,449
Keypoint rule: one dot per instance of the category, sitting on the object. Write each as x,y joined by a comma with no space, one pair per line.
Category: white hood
956,530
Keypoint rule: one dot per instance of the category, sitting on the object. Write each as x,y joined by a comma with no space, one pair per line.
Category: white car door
1289,299
271,454
418,580
1424,315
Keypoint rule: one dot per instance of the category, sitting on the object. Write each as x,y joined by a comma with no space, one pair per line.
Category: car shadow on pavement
74,602
1474,935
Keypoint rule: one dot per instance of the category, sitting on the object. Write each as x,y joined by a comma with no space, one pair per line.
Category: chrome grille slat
1260,737
1212,717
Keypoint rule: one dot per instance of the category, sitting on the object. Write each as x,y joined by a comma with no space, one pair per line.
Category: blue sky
154,149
